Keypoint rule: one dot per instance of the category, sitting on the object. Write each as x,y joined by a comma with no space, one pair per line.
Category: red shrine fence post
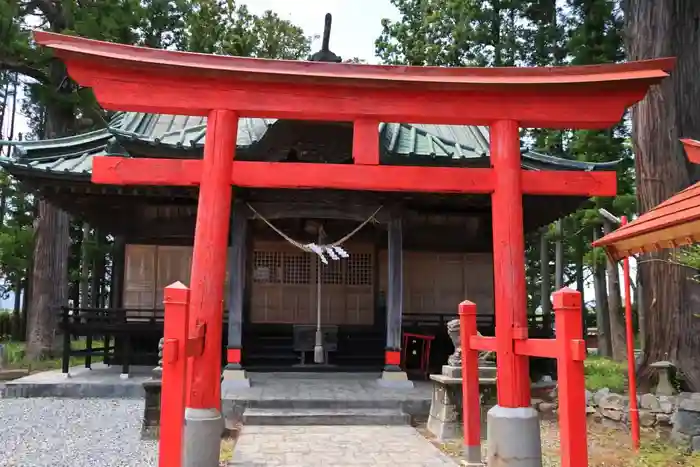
471,399
204,423
513,425
631,360
172,398
571,353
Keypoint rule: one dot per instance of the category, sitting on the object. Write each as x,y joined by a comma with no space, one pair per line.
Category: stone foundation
151,411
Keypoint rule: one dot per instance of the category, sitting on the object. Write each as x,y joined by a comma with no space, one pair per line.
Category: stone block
690,403
687,422
452,371
151,412
695,444
650,402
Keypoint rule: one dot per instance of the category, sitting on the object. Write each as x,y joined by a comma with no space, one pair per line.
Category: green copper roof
439,144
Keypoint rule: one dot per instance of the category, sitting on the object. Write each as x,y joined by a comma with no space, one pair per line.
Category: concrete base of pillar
234,379
472,454
202,438
395,380
513,437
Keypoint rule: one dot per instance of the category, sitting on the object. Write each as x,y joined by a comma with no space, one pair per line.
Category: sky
356,25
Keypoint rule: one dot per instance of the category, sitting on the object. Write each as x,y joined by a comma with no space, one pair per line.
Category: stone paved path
336,446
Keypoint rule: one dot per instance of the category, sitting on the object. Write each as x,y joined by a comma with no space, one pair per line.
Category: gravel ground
73,433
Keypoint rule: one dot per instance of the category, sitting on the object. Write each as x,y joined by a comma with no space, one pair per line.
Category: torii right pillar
513,425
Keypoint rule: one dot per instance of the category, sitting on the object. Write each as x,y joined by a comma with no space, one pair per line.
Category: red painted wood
111,170
392,357
141,171
209,258
546,348
159,81
483,343
682,208
631,363
471,396
569,183
365,142
509,263
572,393
233,355
255,69
692,149
176,172
172,398
581,106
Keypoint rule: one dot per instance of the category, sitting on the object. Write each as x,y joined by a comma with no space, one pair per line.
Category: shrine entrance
227,88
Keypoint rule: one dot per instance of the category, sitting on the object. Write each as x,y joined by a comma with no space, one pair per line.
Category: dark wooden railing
118,327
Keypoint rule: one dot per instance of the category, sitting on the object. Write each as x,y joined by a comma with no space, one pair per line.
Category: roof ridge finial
325,46
325,54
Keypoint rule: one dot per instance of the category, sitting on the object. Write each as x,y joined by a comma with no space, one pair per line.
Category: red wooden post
509,265
209,256
471,401
631,364
172,398
571,353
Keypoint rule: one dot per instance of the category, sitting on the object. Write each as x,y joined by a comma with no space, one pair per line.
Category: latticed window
297,268
359,269
332,273
266,267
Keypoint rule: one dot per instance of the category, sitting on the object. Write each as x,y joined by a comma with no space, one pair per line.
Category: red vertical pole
631,364
471,403
209,256
172,397
572,391
509,265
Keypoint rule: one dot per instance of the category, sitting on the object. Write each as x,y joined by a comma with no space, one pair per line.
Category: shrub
605,373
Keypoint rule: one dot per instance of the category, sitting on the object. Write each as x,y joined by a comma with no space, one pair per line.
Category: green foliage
16,356
660,454
453,33
689,256
605,373
224,28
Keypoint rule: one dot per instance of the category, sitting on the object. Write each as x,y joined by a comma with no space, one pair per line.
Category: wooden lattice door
285,286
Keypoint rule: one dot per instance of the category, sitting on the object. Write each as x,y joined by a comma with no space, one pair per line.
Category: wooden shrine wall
283,281
149,269
438,282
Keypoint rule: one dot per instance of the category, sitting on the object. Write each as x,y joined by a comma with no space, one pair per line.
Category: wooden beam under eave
178,172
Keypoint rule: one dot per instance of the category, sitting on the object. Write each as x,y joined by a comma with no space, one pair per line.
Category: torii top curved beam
142,79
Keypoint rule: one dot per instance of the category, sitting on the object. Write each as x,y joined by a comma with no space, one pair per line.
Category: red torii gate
225,88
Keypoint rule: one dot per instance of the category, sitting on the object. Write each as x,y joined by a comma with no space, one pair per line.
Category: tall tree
662,29
49,85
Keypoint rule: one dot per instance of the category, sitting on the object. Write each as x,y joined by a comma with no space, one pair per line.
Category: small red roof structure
673,223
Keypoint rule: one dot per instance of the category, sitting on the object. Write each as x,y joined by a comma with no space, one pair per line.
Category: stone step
325,417
324,404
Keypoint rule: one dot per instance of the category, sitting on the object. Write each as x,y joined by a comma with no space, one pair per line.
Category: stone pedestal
231,380
151,413
395,380
445,420
152,389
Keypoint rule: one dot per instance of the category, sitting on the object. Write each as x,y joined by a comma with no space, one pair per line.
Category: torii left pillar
513,425
203,421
